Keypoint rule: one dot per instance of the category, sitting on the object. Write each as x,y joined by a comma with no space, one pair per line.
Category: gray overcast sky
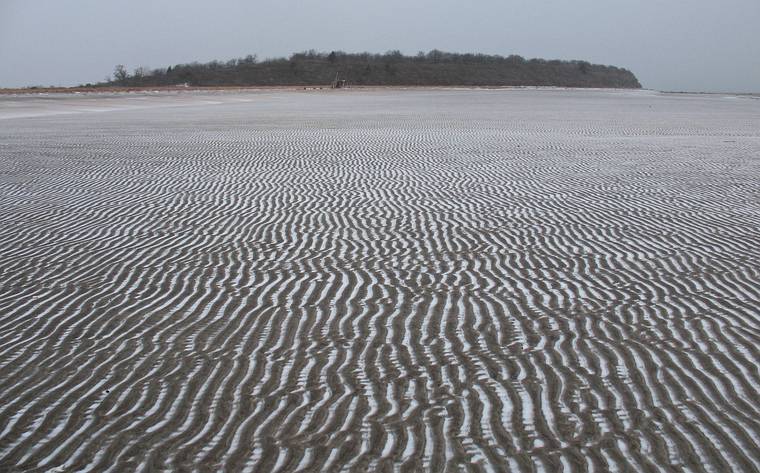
698,45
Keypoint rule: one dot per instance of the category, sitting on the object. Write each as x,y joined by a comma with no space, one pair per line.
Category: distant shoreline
111,90
124,90
307,88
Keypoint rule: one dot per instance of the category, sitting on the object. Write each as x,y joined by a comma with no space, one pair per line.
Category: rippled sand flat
440,280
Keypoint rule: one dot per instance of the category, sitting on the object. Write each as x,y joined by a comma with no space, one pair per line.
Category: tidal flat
380,280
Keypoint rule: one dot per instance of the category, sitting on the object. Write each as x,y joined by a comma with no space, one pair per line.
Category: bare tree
120,73
435,56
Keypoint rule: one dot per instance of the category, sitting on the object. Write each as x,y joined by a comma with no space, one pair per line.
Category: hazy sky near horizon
690,45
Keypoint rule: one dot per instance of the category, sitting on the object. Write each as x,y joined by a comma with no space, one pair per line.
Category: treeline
437,68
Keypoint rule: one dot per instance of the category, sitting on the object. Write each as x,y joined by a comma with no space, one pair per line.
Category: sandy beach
380,280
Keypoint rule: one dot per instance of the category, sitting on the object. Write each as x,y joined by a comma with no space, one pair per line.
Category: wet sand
423,280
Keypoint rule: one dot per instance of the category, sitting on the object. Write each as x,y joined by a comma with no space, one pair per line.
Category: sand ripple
383,281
